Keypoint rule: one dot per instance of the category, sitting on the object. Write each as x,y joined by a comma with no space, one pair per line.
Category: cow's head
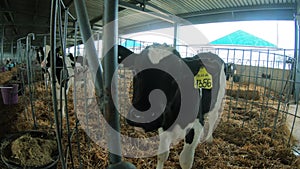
150,88
148,102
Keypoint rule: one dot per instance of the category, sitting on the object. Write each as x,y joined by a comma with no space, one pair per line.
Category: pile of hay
32,151
5,77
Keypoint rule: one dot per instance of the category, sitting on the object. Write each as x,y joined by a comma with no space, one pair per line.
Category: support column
88,40
12,50
2,46
110,51
297,53
110,61
175,35
110,34
54,9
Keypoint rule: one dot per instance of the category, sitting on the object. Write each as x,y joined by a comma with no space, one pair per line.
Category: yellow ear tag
203,79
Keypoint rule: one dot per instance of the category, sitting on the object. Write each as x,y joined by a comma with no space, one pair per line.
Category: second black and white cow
230,69
207,80
61,80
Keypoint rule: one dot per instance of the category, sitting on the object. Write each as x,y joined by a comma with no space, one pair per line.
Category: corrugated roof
180,7
19,18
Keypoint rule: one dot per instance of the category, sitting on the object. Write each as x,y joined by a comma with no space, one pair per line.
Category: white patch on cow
166,138
213,116
155,55
164,144
57,85
187,154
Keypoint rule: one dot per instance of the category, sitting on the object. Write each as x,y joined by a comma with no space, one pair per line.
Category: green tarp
242,38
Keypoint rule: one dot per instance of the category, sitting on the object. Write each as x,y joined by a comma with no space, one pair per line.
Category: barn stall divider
260,88
29,75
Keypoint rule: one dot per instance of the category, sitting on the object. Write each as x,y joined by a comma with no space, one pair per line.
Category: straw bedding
243,139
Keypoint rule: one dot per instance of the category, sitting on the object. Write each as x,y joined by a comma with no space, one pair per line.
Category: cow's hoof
210,140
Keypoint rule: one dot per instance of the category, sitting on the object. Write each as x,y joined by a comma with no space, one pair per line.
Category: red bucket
10,94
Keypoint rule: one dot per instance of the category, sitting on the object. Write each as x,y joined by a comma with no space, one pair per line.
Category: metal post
297,57
12,50
29,76
175,35
54,7
110,14
19,55
110,34
17,52
2,45
88,40
45,43
110,51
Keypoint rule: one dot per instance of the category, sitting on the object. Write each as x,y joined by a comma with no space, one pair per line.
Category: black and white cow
61,80
40,54
163,117
40,57
230,69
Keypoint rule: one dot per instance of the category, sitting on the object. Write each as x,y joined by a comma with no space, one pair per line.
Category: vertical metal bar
175,35
12,49
2,46
92,57
29,77
65,80
110,7
62,74
75,102
45,43
65,29
248,87
297,57
75,38
110,34
54,6
95,66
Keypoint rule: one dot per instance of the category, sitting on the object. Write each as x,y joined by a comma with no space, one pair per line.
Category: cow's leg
164,148
207,127
190,143
63,102
59,98
64,98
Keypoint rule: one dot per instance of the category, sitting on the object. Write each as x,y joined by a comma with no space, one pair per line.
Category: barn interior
260,123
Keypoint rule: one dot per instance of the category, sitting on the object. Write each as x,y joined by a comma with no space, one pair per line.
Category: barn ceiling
20,17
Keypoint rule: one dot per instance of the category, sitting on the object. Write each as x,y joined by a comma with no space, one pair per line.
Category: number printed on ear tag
203,79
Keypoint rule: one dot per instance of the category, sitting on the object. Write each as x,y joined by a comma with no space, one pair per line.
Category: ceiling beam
96,19
254,8
241,15
39,25
146,11
11,17
285,12
121,8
